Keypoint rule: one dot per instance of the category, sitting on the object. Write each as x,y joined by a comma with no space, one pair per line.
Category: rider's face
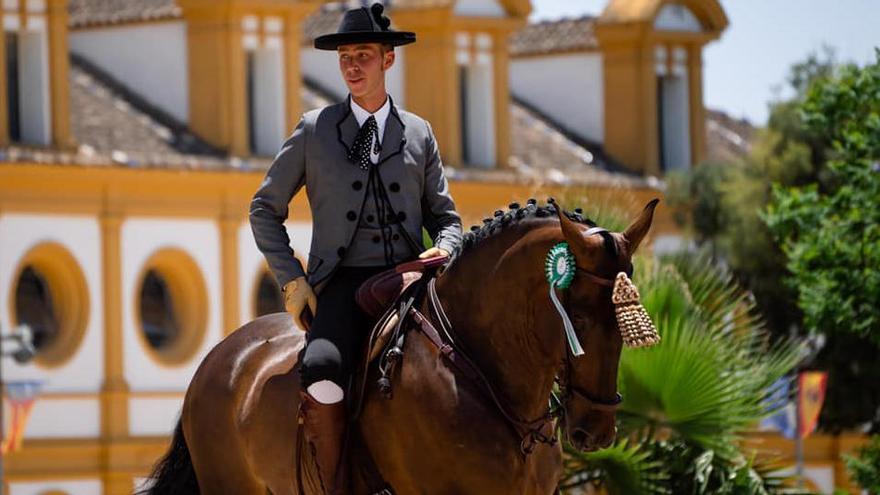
363,67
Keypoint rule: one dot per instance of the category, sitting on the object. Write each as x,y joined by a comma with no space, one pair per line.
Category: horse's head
589,381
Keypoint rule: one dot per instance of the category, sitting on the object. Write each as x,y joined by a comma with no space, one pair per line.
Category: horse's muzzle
587,442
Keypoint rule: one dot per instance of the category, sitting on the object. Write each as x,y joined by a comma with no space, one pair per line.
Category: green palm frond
700,471
708,378
621,469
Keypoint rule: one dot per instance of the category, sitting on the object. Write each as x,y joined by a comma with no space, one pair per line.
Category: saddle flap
374,295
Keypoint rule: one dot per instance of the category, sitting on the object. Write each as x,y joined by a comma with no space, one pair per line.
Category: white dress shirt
381,116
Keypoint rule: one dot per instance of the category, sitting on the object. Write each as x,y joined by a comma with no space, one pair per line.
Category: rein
531,432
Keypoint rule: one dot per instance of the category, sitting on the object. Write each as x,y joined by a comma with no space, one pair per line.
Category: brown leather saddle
379,291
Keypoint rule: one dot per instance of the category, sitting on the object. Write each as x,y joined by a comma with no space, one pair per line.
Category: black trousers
339,329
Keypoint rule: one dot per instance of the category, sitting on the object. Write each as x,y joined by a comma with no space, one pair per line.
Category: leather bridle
568,390
534,431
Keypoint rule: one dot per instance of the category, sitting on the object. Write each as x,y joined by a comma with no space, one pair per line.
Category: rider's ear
635,233
388,57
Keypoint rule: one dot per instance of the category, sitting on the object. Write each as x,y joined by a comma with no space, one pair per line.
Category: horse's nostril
581,438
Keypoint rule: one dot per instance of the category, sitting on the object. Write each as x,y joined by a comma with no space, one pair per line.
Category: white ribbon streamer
573,342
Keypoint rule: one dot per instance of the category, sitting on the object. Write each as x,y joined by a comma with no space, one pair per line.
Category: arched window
35,308
172,306
51,299
676,17
158,318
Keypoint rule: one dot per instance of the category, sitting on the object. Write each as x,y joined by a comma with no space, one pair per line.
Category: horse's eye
579,320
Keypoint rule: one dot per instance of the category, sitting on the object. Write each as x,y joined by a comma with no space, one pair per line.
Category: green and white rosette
559,268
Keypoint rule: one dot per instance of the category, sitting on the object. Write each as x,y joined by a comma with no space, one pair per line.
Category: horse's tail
173,474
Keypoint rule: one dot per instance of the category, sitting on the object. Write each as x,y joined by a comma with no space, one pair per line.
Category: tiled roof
325,20
563,35
543,151
727,138
113,126
107,117
100,12
85,13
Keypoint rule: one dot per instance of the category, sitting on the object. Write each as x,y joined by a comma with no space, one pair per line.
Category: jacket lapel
347,127
392,140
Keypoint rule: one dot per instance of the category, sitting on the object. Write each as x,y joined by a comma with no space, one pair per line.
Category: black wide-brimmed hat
364,25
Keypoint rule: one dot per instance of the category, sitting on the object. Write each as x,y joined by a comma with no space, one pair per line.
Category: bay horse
441,433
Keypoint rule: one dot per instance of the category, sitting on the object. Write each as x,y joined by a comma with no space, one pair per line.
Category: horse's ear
635,233
569,229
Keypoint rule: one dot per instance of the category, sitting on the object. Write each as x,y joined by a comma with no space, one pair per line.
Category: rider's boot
324,428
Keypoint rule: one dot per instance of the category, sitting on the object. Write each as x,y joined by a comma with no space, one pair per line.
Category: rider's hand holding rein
298,293
432,252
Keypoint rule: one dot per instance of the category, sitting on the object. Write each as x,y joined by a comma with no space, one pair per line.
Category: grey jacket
315,156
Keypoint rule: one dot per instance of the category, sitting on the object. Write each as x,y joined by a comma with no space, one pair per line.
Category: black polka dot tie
367,135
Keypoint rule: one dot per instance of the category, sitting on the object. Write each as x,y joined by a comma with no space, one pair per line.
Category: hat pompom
383,21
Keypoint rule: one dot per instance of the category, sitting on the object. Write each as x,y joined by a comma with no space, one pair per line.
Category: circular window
268,298
34,308
172,306
51,299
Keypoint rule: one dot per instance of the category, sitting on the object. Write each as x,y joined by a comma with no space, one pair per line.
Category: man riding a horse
515,342
374,177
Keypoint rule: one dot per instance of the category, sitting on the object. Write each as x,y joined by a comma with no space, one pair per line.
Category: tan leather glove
298,293
433,251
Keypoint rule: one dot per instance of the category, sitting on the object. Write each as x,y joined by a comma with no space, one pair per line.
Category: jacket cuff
293,272
447,245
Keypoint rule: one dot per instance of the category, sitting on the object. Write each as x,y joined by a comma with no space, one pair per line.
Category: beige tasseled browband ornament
636,327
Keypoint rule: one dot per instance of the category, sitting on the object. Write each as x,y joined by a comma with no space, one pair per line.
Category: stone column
59,69
217,98
695,103
431,75
501,70
114,390
229,227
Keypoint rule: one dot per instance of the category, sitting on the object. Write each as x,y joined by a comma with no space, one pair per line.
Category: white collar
381,114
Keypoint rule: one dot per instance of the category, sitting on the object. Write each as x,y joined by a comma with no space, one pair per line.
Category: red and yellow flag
20,396
20,413
811,395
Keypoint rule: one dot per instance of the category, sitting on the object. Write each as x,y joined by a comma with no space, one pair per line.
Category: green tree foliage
722,204
831,235
864,468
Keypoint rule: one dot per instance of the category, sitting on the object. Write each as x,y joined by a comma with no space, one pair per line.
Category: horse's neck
498,314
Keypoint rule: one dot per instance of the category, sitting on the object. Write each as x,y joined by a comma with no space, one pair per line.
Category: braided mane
501,220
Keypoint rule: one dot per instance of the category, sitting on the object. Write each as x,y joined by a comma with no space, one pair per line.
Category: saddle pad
374,295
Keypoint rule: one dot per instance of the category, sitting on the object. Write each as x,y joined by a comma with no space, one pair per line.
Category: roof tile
85,13
546,37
